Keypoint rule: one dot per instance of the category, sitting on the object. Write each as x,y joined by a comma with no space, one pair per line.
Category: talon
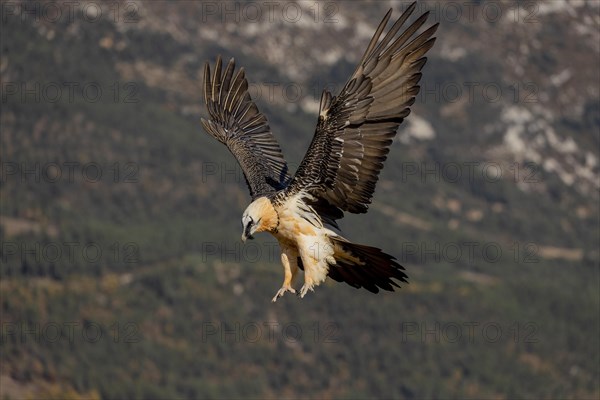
305,290
282,291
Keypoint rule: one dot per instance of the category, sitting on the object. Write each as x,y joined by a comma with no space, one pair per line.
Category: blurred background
122,271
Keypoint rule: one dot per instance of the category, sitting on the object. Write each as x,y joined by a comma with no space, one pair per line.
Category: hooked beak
247,234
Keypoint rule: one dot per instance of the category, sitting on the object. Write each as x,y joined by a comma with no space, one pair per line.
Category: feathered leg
316,253
290,268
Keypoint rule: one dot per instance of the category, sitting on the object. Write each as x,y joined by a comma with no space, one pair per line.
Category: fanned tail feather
365,266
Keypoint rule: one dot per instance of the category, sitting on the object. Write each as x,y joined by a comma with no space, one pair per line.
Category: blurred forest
122,273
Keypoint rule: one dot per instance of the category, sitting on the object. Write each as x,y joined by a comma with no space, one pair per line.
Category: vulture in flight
354,132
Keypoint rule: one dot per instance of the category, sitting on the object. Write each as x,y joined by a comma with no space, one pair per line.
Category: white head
259,216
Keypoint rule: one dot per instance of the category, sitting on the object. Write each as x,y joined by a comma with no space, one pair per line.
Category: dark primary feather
236,122
355,129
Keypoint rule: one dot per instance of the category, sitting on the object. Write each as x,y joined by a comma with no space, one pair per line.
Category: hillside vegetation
122,272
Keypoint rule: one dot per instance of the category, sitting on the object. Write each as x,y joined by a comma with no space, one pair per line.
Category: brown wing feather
355,129
236,122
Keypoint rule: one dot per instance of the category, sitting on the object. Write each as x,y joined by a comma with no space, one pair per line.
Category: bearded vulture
354,132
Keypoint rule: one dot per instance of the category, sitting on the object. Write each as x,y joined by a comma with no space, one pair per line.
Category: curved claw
305,288
282,291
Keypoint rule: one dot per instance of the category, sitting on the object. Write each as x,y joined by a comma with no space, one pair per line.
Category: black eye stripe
250,222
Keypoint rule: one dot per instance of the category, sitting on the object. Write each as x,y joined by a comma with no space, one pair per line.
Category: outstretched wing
236,122
356,128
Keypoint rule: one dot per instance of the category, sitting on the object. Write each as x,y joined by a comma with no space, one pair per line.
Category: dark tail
364,266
